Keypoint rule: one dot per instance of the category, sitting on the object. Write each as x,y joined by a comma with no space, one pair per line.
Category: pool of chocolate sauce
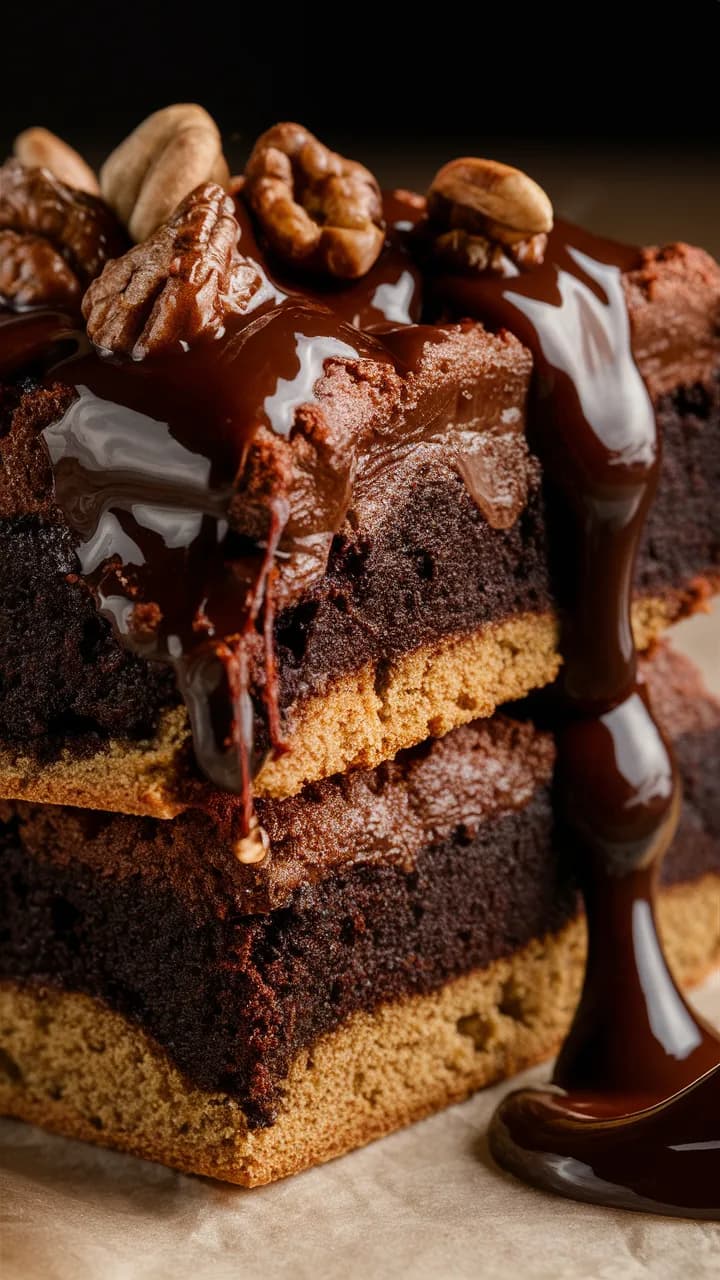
634,1120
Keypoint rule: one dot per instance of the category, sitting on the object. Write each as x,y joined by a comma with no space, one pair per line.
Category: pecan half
40,148
480,211
316,209
160,163
56,239
176,287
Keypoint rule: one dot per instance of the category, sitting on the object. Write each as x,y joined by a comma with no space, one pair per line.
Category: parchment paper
423,1203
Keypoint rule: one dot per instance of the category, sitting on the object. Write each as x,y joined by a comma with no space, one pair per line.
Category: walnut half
54,239
176,287
316,209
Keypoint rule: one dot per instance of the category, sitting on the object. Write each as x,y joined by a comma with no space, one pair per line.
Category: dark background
613,108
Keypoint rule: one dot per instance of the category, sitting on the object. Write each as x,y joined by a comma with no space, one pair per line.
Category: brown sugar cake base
362,719
74,1067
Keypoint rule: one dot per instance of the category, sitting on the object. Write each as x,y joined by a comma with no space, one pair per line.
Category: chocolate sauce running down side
631,1123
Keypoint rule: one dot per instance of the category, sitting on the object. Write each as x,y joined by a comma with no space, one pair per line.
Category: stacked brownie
271,526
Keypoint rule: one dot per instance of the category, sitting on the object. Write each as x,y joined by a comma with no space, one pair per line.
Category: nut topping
39,148
171,153
316,209
479,205
55,239
176,287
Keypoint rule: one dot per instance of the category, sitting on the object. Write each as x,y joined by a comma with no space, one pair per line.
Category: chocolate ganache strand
631,1123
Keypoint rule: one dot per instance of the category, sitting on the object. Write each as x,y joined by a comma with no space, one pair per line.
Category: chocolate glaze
634,1041
596,425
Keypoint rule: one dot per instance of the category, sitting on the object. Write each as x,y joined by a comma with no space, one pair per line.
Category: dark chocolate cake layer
422,565
419,601
379,886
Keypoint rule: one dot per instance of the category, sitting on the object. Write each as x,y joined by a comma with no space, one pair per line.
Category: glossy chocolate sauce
630,1124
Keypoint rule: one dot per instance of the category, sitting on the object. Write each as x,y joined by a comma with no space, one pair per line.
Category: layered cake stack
280,868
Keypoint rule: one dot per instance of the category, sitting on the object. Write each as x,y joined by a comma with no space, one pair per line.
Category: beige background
699,638
423,1203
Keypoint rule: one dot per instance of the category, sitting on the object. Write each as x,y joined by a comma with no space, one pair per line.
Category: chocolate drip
617,1134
